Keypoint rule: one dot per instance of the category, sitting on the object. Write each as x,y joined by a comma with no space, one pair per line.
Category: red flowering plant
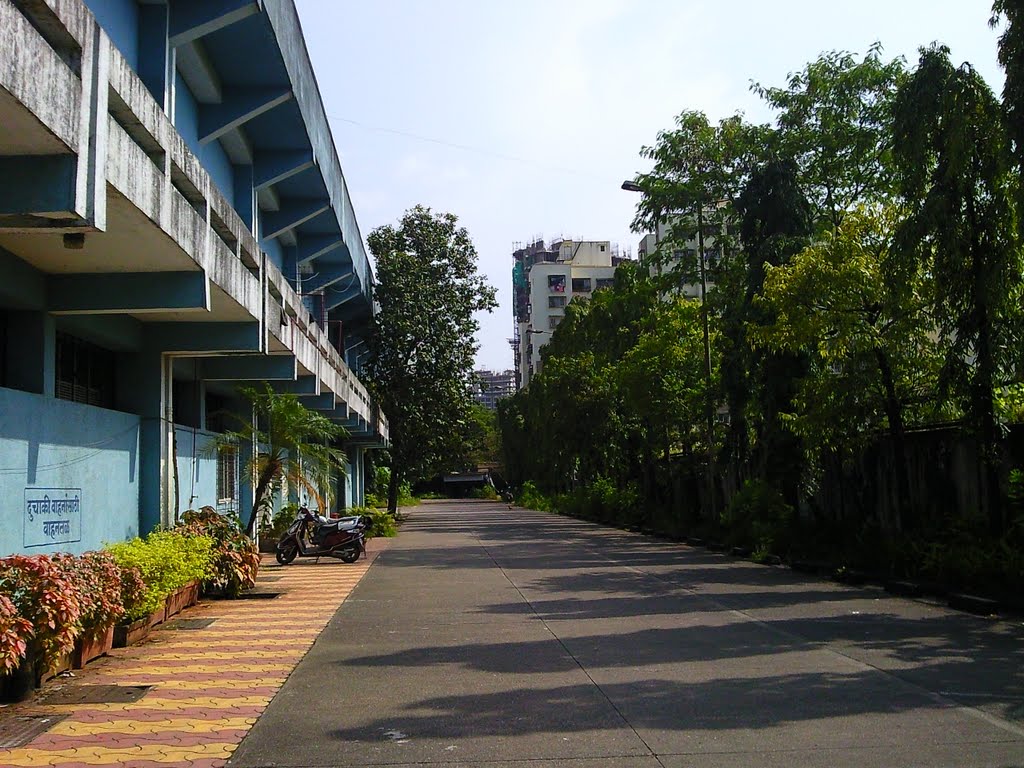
15,632
98,580
43,591
236,559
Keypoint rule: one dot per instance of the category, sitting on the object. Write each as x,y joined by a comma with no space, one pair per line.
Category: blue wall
212,154
120,20
197,468
56,450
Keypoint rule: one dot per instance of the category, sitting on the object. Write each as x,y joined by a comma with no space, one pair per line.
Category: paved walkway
208,685
486,637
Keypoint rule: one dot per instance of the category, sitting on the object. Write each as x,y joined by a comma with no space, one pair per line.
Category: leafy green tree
954,159
480,440
834,120
422,344
1011,56
866,328
775,225
662,377
292,443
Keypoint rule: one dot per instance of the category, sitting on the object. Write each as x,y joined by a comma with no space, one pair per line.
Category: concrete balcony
113,228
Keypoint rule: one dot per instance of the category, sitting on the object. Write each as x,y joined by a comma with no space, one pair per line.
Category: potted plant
16,676
44,593
100,582
274,527
170,564
236,560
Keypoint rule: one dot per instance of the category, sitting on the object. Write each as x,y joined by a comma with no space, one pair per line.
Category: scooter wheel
285,556
349,555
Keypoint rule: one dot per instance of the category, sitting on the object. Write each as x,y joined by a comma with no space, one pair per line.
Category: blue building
174,222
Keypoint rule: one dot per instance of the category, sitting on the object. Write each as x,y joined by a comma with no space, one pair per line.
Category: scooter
313,535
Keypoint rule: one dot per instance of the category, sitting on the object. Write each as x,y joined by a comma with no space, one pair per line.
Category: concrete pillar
154,52
359,476
32,345
150,396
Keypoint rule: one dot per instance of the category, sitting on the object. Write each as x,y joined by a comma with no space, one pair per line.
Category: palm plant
292,443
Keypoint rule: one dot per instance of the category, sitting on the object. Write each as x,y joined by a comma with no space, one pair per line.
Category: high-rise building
545,278
494,386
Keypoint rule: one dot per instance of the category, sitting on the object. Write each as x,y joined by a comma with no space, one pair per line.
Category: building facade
174,222
545,278
494,386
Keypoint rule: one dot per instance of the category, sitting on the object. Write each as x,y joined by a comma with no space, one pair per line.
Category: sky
523,118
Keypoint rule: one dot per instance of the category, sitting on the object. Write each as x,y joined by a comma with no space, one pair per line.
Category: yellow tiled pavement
208,685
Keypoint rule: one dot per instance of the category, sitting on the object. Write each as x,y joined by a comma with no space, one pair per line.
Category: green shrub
531,498
603,502
758,515
433,495
378,522
486,493
273,528
236,559
166,561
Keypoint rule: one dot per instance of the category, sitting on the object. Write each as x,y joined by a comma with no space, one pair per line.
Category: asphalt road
489,637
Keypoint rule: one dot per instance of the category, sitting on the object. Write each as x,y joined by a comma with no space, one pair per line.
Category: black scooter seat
341,524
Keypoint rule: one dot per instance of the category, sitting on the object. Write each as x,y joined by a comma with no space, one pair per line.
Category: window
556,302
84,372
581,285
602,249
556,283
553,321
227,475
605,282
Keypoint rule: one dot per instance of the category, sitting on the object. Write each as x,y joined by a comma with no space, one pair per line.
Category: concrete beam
333,300
293,213
121,293
240,105
325,276
312,246
250,368
271,167
204,338
38,184
321,402
303,385
193,19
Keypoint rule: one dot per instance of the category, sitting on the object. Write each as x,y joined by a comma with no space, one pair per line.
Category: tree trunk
982,404
393,484
894,413
265,479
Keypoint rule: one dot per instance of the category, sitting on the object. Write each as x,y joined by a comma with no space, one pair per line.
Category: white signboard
52,516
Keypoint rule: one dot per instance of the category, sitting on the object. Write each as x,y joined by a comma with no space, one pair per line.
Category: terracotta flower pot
136,632
91,646
17,685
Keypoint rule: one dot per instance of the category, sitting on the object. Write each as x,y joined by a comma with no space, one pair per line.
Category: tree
292,443
866,328
954,160
422,343
775,225
697,163
1011,56
834,121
